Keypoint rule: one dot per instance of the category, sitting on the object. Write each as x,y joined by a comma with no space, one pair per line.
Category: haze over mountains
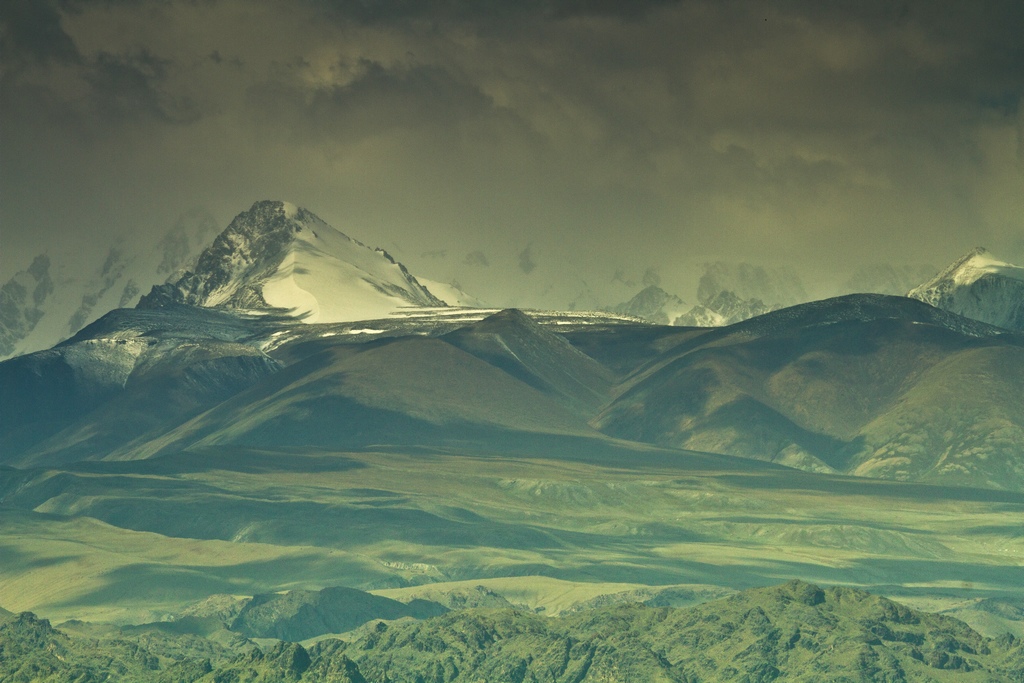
294,411
53,298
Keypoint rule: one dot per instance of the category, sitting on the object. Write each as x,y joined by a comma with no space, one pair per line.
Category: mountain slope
724,308
125,376
980,287
298,615
793,632
278,256
408,391
512,341
872,385
22,301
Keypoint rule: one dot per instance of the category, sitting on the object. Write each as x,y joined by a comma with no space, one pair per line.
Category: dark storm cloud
376,100
133,85
30,30
649,135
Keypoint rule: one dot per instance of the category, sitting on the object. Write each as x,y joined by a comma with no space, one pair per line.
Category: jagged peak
277,255
290,210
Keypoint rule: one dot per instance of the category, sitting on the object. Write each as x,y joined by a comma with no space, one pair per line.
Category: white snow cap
978,286
980,262
280,256
325,276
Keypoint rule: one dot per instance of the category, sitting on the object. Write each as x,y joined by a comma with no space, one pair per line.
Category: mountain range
259,344
294,418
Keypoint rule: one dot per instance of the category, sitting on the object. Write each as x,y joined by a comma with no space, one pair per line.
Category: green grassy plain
134,541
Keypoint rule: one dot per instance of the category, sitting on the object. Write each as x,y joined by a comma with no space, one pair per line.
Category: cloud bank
610,137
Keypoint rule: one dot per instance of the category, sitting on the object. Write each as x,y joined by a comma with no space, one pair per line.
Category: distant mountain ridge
727,293
55,296
653,304
724,308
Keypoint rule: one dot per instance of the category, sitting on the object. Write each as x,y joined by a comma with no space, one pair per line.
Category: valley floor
137,541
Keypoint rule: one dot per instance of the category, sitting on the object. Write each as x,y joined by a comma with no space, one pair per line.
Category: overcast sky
510,143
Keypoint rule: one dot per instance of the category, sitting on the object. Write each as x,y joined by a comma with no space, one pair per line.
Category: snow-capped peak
283,257
978,286
980,262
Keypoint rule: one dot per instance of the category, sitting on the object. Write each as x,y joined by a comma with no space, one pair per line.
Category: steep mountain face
451,293
278,256
139,381
870,385
653,304
510,340
122,377
407,391
978,286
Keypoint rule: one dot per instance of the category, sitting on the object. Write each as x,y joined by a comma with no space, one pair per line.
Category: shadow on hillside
226,458
796,480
